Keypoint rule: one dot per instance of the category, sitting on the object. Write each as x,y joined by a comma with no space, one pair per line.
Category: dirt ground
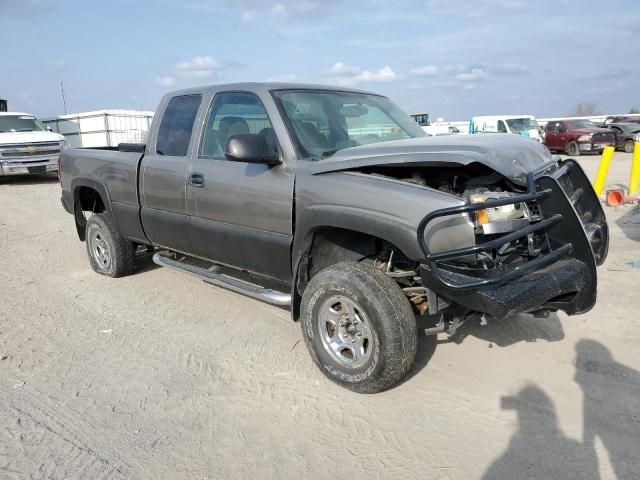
159,376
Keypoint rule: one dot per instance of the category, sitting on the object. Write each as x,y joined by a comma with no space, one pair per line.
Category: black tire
388,314
628,146
572,149
109,253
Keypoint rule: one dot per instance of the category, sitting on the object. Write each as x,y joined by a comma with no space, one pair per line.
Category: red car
577,136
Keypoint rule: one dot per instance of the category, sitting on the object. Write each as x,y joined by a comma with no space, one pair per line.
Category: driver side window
235,113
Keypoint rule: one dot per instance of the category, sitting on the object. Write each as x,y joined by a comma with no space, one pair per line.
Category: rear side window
501,127
175,130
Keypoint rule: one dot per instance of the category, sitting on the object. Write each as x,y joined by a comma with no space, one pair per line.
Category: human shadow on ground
611,412
629,223
539,449
508,331
611,406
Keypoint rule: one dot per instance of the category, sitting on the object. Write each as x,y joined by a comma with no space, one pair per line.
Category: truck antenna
64,101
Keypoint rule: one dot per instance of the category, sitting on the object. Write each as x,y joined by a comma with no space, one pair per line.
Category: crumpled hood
511,155
14,138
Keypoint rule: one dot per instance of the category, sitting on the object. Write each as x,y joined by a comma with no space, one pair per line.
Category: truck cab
27,147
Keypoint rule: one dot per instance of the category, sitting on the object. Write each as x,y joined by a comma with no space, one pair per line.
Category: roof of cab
265,87
2,114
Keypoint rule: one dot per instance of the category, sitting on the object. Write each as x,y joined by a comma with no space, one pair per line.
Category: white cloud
198,67
471,75
166,81
340,69
426,71
348,75
467,73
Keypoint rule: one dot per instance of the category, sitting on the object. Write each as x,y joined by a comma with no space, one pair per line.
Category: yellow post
635,170
603,169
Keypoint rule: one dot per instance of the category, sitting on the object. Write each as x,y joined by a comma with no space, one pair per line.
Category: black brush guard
562,277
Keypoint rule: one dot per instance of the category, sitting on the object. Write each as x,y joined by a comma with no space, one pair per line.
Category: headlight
584,138
504,213
636,138
64,144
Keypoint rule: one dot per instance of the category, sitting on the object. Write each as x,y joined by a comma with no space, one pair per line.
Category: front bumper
594,147
29,165
562,277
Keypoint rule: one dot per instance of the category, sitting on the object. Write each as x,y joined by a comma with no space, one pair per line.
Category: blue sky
451,58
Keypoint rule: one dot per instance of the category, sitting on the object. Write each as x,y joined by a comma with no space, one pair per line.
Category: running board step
225,281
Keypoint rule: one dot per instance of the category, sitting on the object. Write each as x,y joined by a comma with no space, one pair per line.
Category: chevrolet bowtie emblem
32,149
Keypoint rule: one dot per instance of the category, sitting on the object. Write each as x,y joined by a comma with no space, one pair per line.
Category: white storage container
102,128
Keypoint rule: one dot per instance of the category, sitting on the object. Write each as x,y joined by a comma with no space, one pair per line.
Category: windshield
517,125
20,123
324,122
580,124
635,128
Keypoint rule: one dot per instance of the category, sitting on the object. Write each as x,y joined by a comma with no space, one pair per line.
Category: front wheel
628,146
359,327
572,149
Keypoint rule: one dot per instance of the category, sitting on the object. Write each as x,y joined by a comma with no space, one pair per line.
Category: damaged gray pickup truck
333,202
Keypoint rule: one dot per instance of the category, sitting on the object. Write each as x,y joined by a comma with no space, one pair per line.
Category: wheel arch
325,243
88,194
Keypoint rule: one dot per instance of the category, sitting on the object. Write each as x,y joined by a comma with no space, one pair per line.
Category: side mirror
250,148
50,129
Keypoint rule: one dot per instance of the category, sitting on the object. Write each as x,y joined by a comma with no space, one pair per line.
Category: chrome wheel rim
100,250
345,331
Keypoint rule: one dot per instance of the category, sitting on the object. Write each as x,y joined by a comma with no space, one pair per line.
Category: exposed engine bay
474,183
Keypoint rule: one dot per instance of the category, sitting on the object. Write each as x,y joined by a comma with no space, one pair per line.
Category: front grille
603,137
22,154
29,150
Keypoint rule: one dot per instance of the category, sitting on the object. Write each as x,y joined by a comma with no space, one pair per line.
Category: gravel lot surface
159,375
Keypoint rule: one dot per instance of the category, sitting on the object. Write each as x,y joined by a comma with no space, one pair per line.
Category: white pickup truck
27,147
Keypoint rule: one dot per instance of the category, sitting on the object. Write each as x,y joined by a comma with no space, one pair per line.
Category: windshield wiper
328,153
25,130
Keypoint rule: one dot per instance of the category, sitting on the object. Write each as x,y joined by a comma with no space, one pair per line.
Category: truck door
551,135
240,213
163,175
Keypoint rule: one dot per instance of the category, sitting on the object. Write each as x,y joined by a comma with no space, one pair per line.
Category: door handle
196,180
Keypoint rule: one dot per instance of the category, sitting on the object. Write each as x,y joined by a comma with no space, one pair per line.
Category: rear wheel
628,146
358,327
109,253
572,149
